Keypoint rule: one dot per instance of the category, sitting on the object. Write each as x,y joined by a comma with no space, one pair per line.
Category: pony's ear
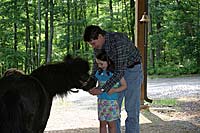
68,58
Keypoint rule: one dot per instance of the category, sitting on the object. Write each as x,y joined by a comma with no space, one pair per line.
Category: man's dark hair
92,32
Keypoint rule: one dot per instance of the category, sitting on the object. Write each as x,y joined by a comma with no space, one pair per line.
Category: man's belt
135,63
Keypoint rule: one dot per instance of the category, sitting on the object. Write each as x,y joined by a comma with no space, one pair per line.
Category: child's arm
122,87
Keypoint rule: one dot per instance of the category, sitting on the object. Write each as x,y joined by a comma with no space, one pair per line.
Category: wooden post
140,40
139,36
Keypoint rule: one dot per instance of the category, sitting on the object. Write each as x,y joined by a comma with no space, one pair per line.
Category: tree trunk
15,33
28,44
97,5
51,31
111,10
159,40
132,19
68,27
46,31
39,34
34,42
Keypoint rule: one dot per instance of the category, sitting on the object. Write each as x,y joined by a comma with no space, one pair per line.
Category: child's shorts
108,110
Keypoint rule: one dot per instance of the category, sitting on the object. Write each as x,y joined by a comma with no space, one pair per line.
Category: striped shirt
122,52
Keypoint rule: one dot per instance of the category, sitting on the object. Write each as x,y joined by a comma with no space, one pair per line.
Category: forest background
36,32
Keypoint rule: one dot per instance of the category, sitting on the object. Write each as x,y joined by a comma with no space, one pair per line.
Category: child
108,109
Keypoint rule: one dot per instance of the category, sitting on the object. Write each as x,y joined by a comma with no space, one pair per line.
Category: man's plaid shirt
122,52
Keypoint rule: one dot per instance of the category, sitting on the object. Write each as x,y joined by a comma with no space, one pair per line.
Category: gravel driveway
174,87
78,110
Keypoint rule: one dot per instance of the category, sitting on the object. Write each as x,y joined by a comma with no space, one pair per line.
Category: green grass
164,102
170,76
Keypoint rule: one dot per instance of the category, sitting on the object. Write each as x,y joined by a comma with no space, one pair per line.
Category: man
127,61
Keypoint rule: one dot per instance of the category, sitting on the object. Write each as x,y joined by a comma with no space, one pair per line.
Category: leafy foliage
175,37
26,31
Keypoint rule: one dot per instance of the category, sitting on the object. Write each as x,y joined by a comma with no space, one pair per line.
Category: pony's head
80,69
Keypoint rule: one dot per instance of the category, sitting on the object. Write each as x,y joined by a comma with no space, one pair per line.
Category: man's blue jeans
133,77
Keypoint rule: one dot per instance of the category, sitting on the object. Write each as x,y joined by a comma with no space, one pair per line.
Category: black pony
25,100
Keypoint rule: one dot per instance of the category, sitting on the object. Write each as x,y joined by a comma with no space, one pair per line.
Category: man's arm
119,54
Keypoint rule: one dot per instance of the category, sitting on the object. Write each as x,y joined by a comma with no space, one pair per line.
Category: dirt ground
78,113
184,118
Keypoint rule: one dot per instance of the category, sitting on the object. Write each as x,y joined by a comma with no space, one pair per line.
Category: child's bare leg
112,127
103,128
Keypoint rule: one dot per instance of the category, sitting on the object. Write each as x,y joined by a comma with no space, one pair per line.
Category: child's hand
111,91
95,91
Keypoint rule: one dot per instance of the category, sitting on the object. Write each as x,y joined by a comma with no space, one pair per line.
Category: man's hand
95,91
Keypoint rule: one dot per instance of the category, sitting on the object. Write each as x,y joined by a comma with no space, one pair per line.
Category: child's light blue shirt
102,78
